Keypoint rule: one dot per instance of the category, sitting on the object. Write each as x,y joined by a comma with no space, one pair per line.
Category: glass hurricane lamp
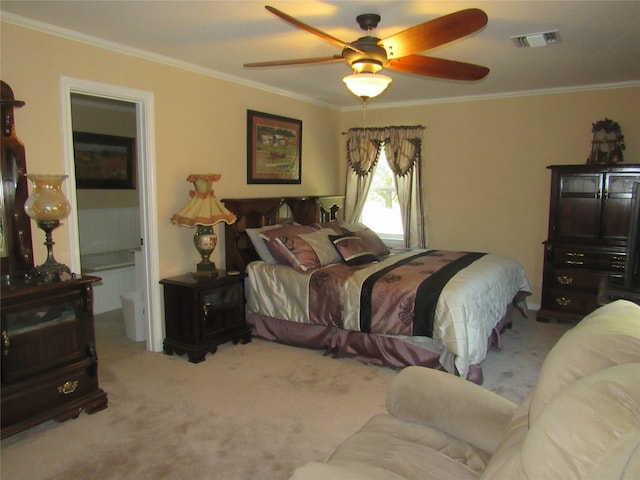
47,205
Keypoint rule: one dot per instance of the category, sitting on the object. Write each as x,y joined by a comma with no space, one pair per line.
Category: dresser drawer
55,392
575,258
570,301
612,261
573,279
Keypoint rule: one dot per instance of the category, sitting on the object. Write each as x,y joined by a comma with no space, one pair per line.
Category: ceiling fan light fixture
367,85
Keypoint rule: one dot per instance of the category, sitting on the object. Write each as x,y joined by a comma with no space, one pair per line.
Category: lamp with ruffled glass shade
47,205
203,212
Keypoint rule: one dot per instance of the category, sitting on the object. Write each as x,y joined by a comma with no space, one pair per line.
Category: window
381,212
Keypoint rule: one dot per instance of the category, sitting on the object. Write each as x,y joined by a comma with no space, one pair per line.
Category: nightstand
201,314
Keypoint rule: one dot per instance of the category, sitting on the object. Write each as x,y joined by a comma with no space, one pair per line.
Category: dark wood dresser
49,360
589,220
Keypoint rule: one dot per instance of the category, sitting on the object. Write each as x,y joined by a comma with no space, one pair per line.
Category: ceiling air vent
536,39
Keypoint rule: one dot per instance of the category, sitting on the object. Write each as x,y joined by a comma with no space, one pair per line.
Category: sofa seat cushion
409,450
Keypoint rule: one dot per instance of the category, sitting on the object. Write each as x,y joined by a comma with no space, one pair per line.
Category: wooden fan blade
437,67
434,33
299,61
312,30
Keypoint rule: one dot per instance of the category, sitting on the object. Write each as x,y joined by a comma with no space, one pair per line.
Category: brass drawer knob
564,280
5,342
563,301
68,387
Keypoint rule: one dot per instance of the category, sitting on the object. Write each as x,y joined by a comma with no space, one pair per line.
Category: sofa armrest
451,405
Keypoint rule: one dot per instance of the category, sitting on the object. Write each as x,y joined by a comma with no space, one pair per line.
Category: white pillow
259,244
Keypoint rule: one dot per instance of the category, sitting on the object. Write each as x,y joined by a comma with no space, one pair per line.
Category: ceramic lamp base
205,241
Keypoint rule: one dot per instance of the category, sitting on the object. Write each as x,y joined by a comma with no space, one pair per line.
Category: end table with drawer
202,313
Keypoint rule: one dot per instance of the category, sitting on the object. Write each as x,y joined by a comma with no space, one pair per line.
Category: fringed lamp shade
204,211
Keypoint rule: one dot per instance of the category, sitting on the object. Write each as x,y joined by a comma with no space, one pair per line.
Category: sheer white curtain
363,152
403,149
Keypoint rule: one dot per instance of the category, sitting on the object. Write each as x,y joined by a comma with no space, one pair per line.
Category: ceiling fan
368,55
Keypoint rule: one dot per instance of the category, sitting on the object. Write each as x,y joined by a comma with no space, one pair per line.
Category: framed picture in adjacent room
104,161
274,148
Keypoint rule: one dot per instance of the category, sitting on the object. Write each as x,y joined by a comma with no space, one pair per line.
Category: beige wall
200,128
487,188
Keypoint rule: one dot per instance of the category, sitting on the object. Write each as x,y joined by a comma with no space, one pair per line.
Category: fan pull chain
364,114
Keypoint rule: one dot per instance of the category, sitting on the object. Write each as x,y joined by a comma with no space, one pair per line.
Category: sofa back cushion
608,336
590,431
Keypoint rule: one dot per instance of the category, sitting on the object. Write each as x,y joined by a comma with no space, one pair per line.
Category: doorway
143,104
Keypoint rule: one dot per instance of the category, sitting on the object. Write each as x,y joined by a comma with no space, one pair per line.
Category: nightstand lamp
203,212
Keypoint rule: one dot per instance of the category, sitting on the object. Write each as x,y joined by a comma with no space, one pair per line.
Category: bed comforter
447,301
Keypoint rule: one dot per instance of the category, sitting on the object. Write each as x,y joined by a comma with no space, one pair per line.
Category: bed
314,281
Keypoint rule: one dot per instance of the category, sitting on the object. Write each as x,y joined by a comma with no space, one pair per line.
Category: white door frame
146,164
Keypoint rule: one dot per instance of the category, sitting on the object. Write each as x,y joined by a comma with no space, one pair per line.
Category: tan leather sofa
581,420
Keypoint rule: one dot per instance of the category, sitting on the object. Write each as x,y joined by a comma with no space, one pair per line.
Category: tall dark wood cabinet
49,361
589,220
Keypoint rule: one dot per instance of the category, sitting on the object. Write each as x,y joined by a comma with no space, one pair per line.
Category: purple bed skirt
369,349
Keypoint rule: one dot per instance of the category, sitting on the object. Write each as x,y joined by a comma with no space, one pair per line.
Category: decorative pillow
352,249
322,246
285,246
260,245
370,238
373,242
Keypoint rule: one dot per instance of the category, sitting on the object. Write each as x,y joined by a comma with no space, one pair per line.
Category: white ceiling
600,42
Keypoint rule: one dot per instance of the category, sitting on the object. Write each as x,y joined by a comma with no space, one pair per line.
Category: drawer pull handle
563,301
617,267
5,342
574,262
564,280
68,387
575,254
618,258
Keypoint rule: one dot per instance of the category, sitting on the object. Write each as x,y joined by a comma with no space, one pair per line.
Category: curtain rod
403,127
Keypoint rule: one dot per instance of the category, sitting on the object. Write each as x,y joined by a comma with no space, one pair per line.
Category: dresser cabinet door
616,206
41,335
592,206
578,204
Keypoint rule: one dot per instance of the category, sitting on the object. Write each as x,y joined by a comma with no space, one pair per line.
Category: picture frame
104,161
274,149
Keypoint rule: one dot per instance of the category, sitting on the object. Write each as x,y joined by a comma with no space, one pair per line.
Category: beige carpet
252,411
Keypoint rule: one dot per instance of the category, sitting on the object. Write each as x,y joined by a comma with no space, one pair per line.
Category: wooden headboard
258,212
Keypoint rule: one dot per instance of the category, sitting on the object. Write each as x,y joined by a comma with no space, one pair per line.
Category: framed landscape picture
104,161
274,147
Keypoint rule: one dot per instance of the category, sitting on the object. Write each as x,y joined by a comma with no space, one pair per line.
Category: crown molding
153,57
